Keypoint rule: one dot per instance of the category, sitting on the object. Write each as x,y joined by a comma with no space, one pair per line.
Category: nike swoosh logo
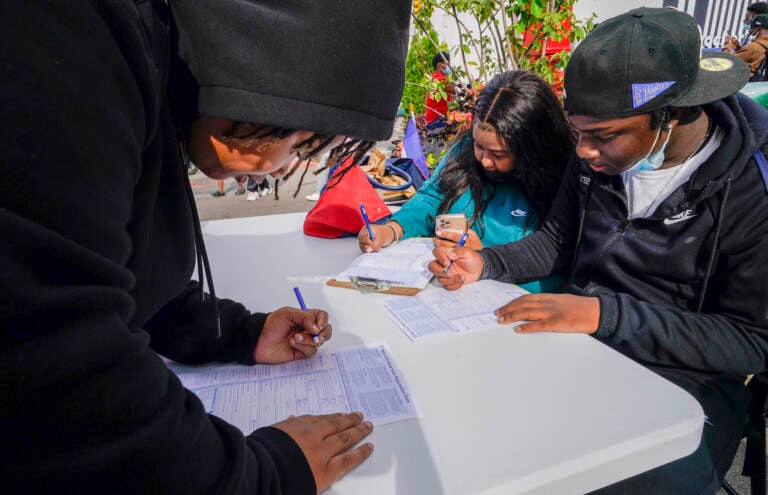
670,221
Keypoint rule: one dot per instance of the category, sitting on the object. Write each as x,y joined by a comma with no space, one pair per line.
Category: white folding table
500,413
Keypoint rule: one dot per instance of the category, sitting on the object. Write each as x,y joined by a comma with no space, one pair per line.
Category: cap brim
720,74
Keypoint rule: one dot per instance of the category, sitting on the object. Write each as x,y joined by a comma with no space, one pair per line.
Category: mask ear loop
656,140
664,125
668,128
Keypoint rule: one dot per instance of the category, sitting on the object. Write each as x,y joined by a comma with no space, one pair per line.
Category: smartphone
452,222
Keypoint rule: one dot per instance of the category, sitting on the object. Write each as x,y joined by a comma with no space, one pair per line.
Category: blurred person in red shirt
436,107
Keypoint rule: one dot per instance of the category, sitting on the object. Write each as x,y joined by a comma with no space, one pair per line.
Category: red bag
338,211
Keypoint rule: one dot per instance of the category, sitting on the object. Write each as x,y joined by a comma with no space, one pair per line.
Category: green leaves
537,7
495,36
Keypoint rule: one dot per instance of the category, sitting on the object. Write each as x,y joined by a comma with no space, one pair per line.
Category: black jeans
251,185
724,399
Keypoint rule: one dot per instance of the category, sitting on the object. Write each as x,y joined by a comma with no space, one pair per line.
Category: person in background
320,177
435,106
219,192
241,182
661,224
257,189
753,53
96,284
264,188
731,43
503,172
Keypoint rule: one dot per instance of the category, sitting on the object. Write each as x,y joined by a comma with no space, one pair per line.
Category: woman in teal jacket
503,173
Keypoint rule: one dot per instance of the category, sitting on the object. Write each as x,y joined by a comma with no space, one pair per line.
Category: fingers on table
522,308
345,428
336,422
344,462
347,431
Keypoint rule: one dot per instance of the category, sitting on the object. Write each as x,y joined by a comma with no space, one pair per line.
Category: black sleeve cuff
293,470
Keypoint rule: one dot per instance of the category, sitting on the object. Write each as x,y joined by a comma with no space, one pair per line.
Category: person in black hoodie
100,232
662,225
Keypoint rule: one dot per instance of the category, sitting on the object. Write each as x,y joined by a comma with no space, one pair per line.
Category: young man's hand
466,268
327,442
451,239
564,313
287,335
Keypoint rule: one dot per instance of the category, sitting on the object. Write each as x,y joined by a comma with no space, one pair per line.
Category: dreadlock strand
277,196
292,170
301,179
357,150
313,145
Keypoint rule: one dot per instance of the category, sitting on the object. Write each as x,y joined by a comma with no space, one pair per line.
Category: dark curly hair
524,111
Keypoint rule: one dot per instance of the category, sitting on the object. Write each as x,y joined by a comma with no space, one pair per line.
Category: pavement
232,205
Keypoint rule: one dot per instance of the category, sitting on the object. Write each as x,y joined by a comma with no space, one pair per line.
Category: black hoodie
685,288
98,242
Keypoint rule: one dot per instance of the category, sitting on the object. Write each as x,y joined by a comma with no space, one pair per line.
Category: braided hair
306,150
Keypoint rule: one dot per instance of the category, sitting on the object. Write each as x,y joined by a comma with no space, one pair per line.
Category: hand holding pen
315,337
284,336
461,243
467,265
367,222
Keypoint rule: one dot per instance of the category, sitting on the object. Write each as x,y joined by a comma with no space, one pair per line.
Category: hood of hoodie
336,67
745,124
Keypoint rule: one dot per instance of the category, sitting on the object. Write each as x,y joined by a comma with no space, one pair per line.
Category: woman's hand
384,235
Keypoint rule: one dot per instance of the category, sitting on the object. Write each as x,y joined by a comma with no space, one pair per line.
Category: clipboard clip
367,285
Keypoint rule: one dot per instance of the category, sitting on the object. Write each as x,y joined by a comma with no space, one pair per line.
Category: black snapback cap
759,21
645,59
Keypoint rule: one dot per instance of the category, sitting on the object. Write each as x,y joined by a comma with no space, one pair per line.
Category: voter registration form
356,379
403,264
437,311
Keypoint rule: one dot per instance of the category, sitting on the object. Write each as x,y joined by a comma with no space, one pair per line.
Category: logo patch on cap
715,64
643,93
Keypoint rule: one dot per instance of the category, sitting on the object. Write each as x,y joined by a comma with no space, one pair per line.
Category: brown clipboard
366,285
400,291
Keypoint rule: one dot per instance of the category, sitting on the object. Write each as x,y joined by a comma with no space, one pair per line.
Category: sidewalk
232,205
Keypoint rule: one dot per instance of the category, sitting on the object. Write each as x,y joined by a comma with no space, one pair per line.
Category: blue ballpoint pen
367,222
461,244
303,306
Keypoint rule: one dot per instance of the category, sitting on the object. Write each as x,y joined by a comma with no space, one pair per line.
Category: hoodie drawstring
582,217
713,251
203,265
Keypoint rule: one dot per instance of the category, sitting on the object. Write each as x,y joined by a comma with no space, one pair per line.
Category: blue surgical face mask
653,161
747,26
446,70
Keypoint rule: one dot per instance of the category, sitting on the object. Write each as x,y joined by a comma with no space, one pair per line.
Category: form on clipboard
398,269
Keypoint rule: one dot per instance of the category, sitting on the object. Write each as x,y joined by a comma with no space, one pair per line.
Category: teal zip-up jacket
504,219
